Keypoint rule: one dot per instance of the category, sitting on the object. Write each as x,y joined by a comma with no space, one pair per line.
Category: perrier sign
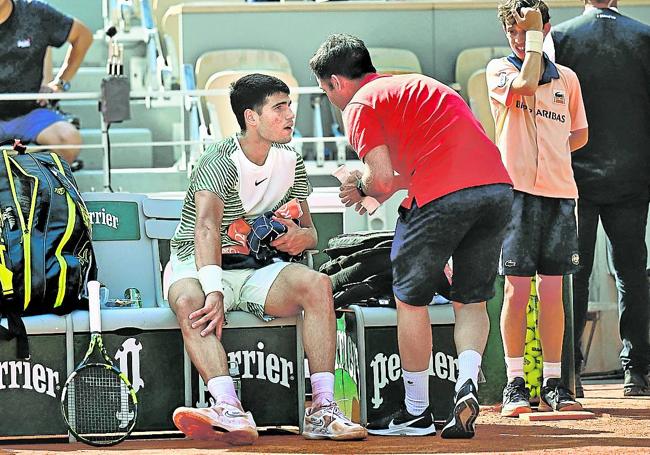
346,385
114,220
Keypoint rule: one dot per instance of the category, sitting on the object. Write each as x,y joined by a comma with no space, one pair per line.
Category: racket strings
99,405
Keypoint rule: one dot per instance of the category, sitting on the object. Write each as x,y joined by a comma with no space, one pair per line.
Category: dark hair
342,54
251,92
506,7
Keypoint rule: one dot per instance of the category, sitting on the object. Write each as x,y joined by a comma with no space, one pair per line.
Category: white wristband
210,278
534,41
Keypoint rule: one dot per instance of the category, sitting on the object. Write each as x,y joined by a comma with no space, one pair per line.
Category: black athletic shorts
467,225
542,237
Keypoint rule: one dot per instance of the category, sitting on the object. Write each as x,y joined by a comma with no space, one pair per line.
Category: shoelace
333,409
516,393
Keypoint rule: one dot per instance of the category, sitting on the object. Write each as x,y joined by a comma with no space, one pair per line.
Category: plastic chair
479,101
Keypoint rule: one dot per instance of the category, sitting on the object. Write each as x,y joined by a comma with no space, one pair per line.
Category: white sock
469,364
322,388
416,386
222,389
514,367
551,370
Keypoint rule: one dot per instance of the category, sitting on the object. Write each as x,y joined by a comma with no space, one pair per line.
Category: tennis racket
98,403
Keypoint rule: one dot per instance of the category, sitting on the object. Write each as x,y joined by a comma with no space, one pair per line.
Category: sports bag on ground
46,256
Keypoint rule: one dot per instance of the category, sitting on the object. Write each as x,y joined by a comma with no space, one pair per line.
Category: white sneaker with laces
221,422
328,422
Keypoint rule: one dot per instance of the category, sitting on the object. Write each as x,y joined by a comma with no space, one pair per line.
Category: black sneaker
516,398
403,423
636,383
460,424
556,397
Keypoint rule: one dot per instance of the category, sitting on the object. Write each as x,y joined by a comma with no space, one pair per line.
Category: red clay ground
622,426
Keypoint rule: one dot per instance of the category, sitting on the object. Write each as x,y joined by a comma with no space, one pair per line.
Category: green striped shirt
224,171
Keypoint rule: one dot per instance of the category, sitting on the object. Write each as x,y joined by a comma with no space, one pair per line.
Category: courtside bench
146,342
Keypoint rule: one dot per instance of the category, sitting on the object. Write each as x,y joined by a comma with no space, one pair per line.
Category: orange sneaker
221,422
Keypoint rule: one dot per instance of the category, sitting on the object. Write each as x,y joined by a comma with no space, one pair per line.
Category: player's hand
349,194
49,88
529,19
211,314
292,242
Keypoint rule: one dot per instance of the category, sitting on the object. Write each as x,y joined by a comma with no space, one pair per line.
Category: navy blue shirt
24,39
610,54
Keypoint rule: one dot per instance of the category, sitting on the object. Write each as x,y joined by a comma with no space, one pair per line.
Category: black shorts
542,237
467,225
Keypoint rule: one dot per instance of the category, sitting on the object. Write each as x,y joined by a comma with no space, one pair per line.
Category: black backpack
46,256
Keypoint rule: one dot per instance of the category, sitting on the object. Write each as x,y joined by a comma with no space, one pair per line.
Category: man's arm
207,244
80,39
526,83
297,238
578,139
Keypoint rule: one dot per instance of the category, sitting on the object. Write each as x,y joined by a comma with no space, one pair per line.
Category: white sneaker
221,422
328,422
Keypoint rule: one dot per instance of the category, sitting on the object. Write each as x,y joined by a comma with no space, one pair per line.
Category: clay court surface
621,426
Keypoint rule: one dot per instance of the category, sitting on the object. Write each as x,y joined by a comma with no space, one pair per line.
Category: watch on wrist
360,188
63,84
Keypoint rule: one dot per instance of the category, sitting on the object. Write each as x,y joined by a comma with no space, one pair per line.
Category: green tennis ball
537,337
534,348
531,320
534,392
534,378
529,363
530,334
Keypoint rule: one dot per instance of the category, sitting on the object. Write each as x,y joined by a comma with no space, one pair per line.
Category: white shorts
243,289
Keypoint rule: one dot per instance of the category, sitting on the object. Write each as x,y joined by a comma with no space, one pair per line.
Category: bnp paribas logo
102,217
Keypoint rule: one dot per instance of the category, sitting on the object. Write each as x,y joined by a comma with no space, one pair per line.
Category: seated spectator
27,29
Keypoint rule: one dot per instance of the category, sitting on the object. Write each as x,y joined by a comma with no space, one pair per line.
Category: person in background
27,29
540,120
609,53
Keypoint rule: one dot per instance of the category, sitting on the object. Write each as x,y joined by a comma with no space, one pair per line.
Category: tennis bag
360,268
46,256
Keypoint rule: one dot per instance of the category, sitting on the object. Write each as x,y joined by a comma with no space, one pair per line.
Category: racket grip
93,307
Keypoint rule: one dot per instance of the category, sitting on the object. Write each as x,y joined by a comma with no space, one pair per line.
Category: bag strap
16,329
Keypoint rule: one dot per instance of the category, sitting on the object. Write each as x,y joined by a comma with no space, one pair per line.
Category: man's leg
551,324
587,228
298,288
62,133
226,420
625,225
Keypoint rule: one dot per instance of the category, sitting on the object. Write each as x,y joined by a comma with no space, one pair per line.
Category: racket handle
93,307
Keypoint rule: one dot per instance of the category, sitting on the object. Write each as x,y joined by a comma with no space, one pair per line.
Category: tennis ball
534,348
529,363
537,336
531,320
534,378
530,334
534,392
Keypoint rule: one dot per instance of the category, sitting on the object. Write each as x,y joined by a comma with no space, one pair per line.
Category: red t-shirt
431,134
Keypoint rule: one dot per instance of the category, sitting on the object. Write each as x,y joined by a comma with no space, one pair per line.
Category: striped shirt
246,189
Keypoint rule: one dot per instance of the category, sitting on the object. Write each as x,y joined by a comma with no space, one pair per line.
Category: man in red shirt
413,132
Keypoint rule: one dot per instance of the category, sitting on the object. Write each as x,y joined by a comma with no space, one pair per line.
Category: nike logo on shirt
257,183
